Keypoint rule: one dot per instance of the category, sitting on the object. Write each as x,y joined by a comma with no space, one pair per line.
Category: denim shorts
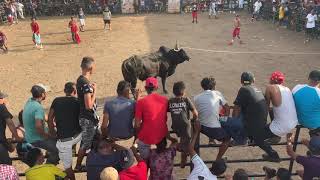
215,133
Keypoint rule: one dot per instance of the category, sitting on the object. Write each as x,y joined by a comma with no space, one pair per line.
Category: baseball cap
127,159
277,77
315,75
314,145
3,95
152,82
247,78
109,173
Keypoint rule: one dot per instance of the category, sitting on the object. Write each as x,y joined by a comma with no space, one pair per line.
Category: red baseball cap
278,77
152,82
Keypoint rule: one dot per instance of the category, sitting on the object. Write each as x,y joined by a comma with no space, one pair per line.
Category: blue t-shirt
121,115
32,111
307,101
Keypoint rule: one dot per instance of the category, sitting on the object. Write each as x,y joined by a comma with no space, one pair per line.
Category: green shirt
32,110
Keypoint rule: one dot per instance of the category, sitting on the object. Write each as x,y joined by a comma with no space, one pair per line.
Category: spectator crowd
73,119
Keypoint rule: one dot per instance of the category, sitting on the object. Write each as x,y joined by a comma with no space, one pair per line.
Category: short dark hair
218,167
87,62
20,117
69,87
314,75
37,91
150,89
240,174
122,87
283,174
32,156
208,83
178,88
162,145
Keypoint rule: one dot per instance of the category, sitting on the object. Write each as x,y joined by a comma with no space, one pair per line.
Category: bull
161,63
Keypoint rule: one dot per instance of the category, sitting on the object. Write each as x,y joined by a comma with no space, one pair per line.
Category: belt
69,138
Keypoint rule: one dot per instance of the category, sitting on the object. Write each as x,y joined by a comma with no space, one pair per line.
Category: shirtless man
236,30
3,42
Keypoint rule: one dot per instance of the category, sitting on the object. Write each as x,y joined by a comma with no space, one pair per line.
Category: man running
36,33
236,30
3,42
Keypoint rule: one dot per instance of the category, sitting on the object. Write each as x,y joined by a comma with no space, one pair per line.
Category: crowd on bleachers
73,118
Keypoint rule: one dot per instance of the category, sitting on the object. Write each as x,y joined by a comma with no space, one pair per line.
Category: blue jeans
234,128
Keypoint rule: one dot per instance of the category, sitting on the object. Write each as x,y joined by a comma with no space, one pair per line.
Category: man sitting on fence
307,101
284,111
251,104
208,104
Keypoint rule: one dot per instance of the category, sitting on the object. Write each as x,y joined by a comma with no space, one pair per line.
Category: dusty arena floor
264,51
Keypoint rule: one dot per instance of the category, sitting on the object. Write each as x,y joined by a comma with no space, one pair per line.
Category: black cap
3,95
247,78
314,75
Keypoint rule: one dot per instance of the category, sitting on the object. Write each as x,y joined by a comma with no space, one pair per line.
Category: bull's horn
177,47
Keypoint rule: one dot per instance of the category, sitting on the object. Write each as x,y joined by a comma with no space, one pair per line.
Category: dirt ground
265,50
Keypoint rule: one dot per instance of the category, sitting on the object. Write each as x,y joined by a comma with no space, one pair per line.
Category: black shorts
107,21
215,133
309,30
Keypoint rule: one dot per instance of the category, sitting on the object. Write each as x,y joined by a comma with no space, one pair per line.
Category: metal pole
295,143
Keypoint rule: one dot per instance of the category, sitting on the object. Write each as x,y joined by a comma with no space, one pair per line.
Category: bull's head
179,54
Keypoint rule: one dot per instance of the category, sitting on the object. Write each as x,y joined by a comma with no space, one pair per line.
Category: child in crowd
81,19
161,160
180,108
36,33
194,13
280,174
3,42
236,30
107,18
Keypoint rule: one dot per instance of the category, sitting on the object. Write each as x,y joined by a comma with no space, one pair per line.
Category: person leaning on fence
39,171
107,154
251,103
118,114
311,162
34,122
150,118
310,25
6,120
64,112
307,101
208,104
88,118
200,170
161,160
283,108
180,108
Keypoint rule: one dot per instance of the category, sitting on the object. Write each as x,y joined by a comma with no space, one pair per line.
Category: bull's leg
163,79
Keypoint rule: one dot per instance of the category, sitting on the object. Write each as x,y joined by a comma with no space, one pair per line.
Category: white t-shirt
19,6
213,5
311,21
200,169
285,115
106,15
257,6
208,104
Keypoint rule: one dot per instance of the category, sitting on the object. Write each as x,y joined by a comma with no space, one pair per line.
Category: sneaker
266,157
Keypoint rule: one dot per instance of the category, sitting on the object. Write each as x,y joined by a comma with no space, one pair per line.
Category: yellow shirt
281,12
44,172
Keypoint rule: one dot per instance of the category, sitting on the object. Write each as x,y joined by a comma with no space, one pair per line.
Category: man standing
64,112
212,9
6,120
74,31
88,118
251,104
257,6
107,18
151,118
307,101
19,7
34,123
208,104
36,33
310,25
118,114
284,111
236,30
81,19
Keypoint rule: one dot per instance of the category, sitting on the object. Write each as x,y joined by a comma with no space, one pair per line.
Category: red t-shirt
35,27
137,172
152,110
